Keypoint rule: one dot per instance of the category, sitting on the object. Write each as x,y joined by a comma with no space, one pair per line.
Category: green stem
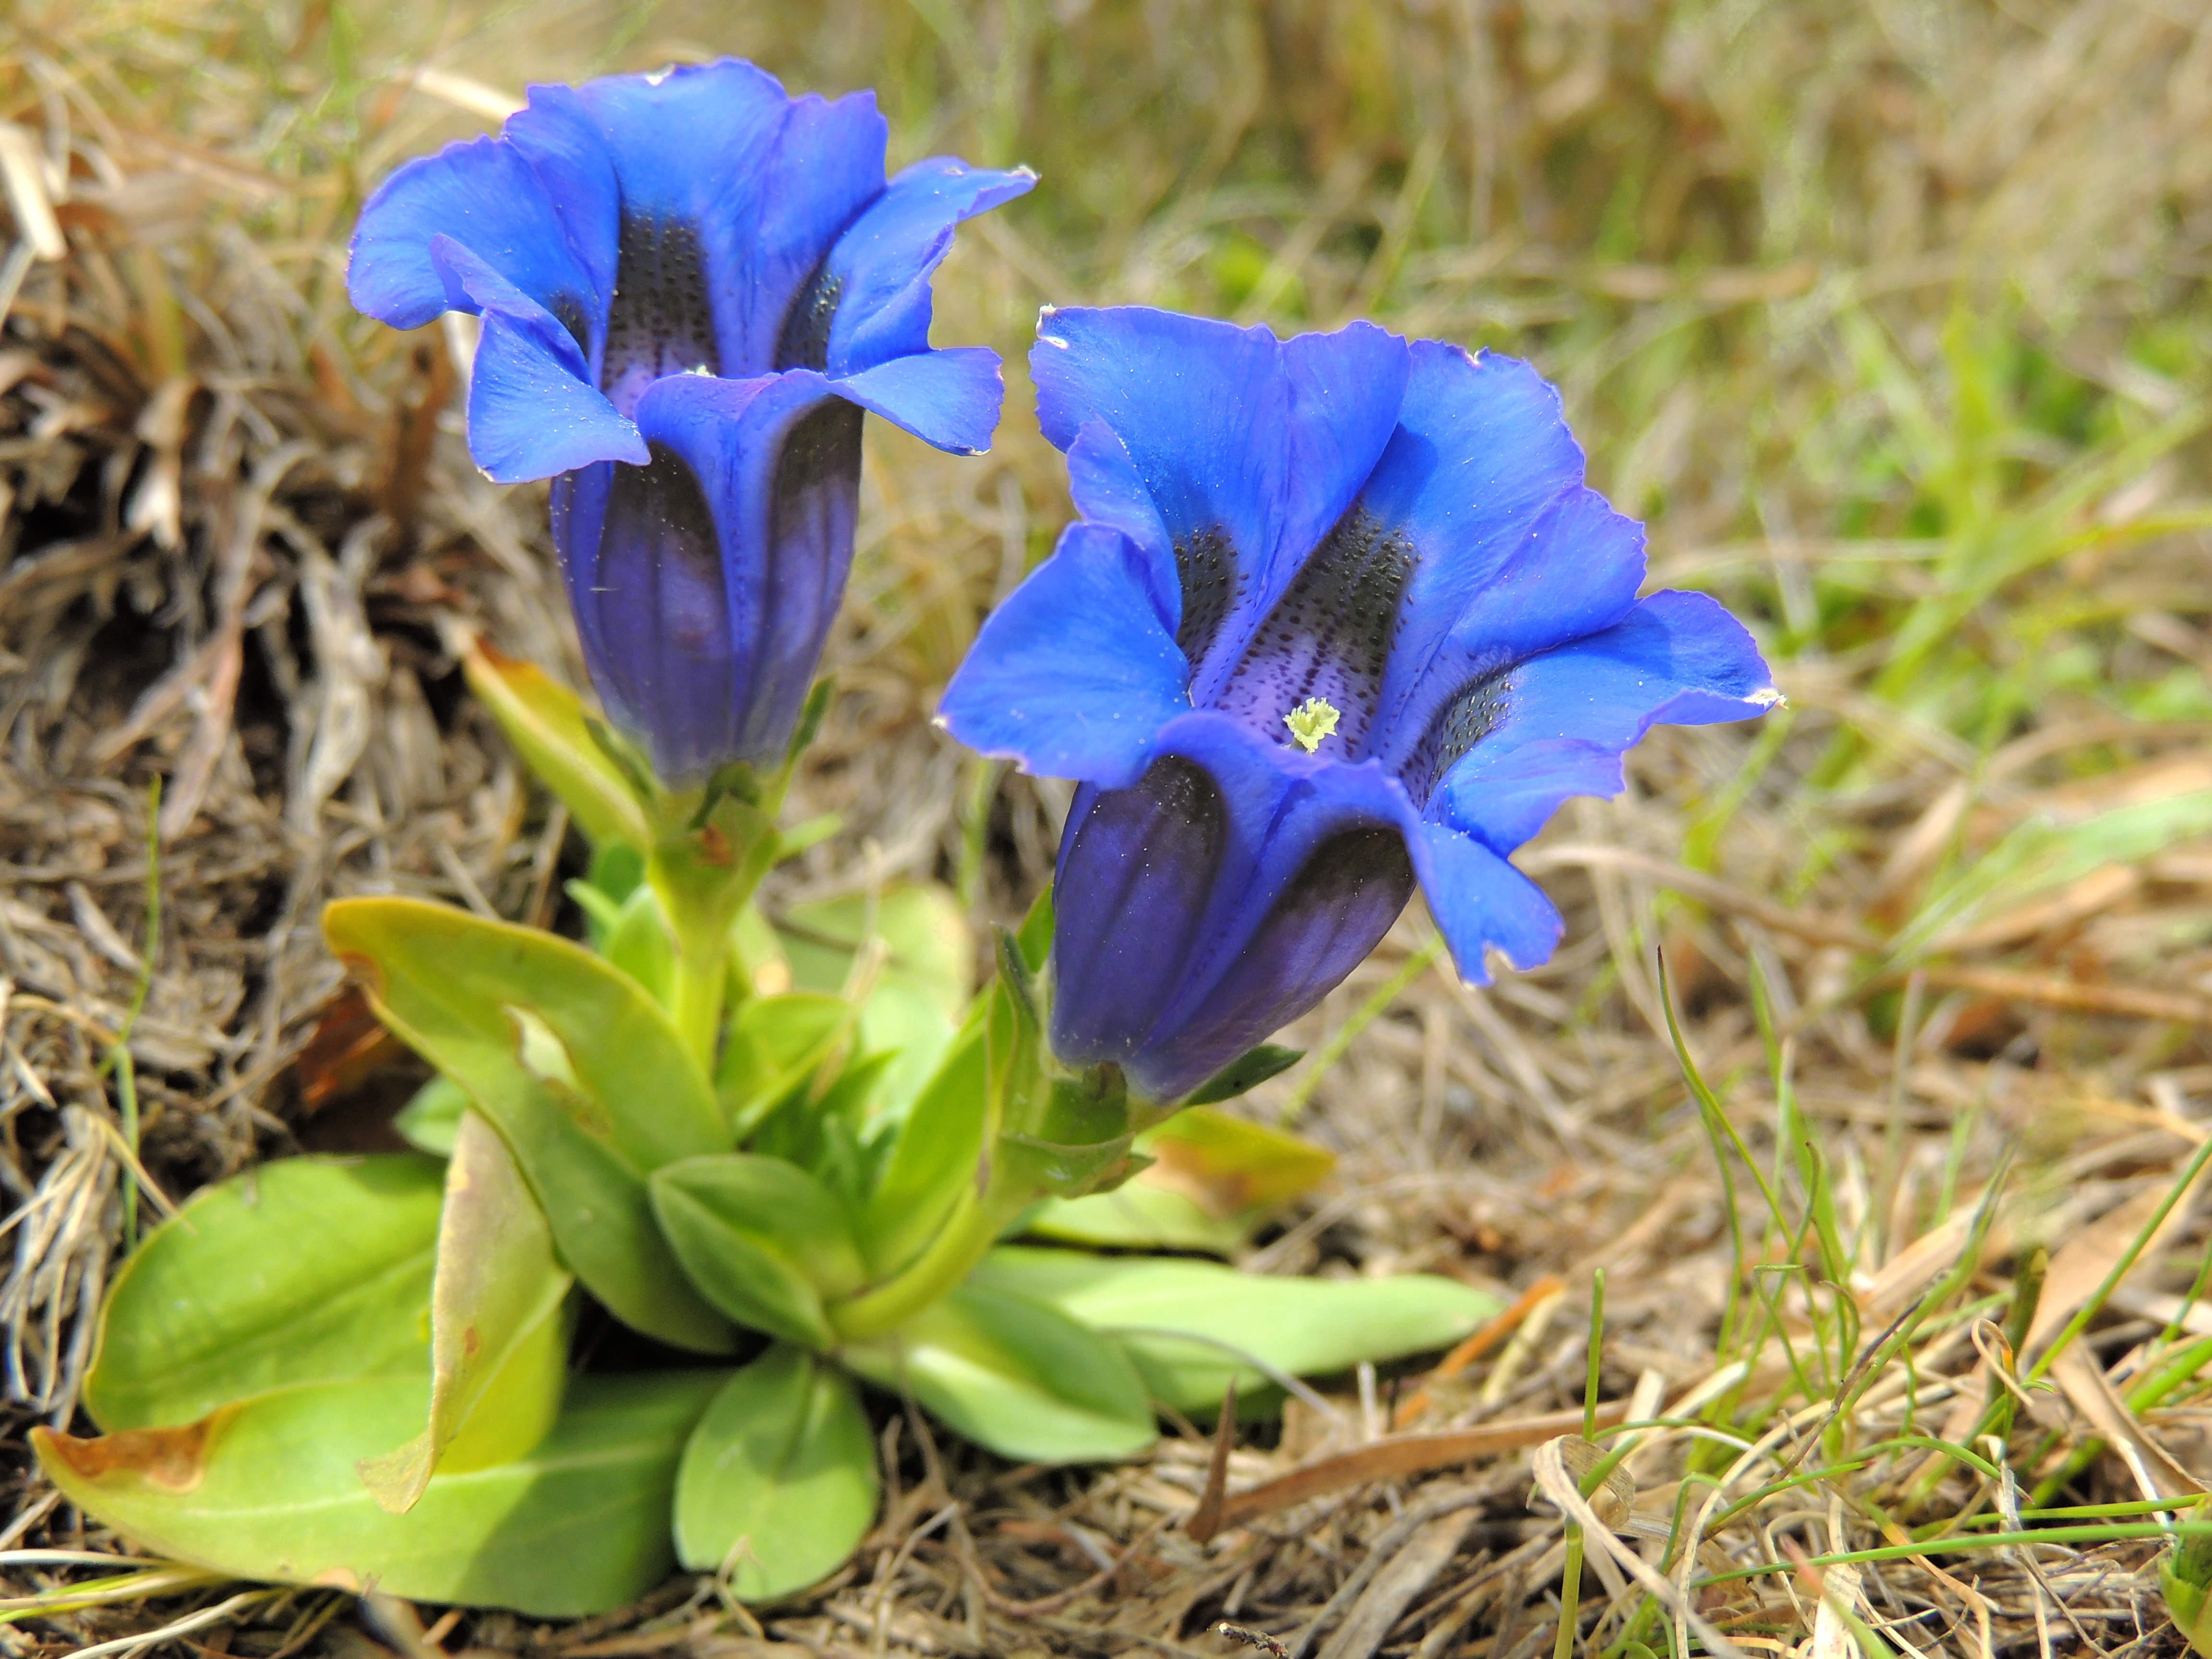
702,980
966,1237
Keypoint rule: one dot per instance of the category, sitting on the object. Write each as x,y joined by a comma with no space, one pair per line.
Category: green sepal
1015,1376
1247,1071
1296,1327
811,712
780,1474
1017,976
243,1292
763,1240
1036,931
1215,1178
579,1070
265,1489
499,1339
550,729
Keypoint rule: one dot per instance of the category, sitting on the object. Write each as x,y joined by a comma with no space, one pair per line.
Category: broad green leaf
265,1489
780,1473
549,728
1016,1375
431,1119
561,1053
775,1044
498,1341
939,1149
1185,1324
476,996
761,1239
1214,1177
305,1270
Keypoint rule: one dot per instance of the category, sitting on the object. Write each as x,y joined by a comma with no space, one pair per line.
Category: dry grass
1892,320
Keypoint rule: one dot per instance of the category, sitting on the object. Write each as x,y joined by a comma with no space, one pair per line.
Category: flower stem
966,1237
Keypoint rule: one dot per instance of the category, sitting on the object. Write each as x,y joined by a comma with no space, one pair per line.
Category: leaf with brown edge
577,1526
498,1339
173,1460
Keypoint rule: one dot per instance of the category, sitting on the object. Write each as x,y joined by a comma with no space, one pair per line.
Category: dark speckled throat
661,321
1328,636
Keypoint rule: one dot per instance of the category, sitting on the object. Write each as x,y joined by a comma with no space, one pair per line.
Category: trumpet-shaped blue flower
691,286
1340,620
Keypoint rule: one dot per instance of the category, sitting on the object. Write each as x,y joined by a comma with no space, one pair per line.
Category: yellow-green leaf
305,1270
265,1489
498,1339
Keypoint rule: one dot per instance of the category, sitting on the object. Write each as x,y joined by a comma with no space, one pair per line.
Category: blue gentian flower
1340,620
691,286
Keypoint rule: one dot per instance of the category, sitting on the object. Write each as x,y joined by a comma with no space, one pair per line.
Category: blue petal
950,397
1478,900
484,194
1232,432
704,584
1514,555
1108,489
881,266
532,411
1137,868
1077,672
765,182
1568,714
1171,971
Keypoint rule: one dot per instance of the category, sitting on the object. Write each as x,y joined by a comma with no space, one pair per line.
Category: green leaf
780,1472
937,1153
308,1269
1214,1178
498,1342
639,945
1174,1316
1246,1072
775,1044
1139,1215
432,1117
1015,1375
761,1239
583,1076
265,1489
913,1006
550,729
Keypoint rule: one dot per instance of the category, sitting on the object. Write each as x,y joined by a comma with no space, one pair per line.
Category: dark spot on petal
1468,716
1210,587
805,340
661,320
1363,872
1329,635
568,311
822,445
